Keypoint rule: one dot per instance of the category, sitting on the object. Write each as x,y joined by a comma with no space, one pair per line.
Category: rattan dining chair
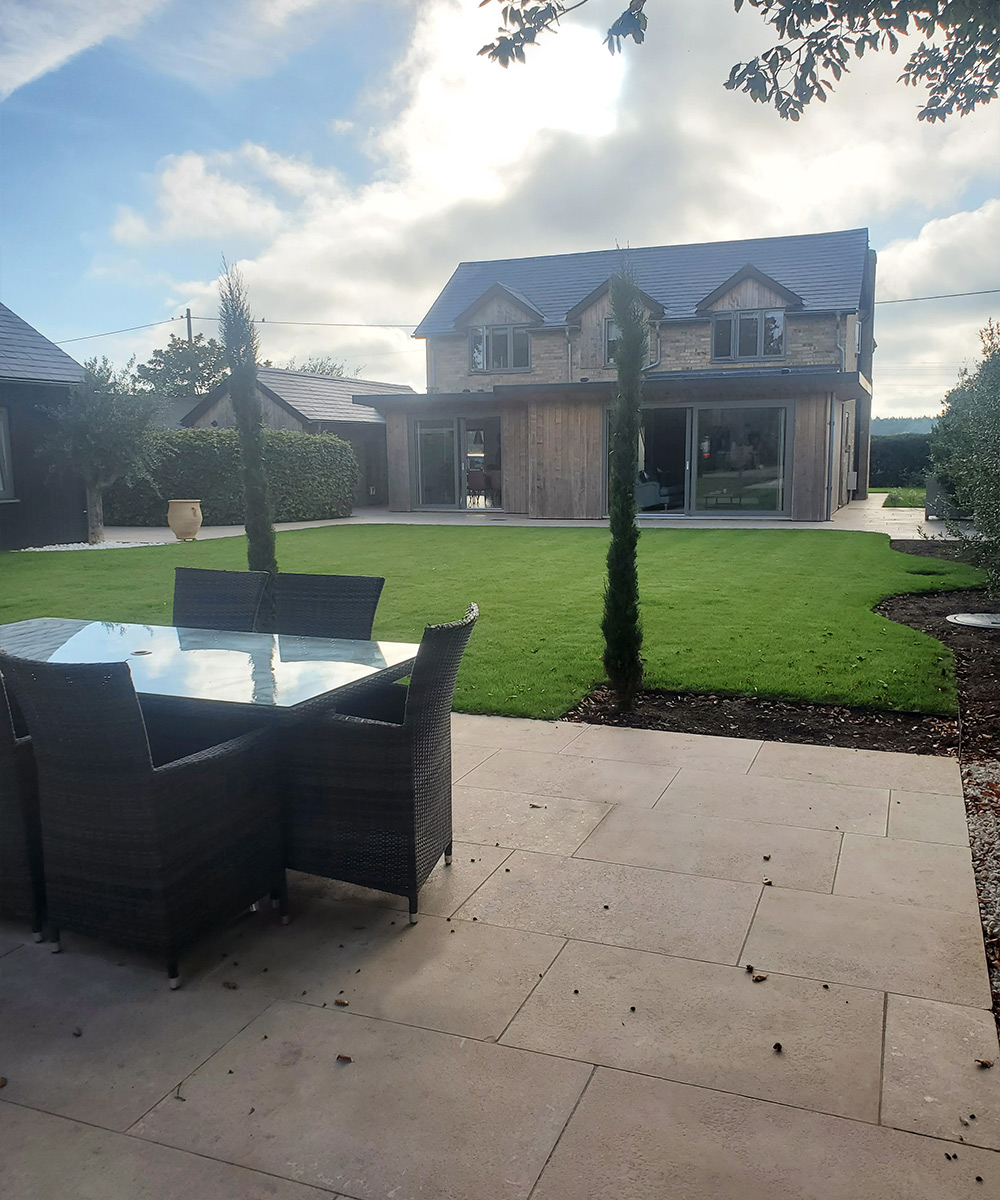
330,606
22,874
205,599
368,790
142,856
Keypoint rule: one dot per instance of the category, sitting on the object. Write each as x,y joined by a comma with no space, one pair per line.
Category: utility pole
187,313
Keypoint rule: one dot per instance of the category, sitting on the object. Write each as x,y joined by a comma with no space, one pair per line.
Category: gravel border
981,787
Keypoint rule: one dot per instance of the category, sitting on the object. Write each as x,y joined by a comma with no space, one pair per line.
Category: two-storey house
757,393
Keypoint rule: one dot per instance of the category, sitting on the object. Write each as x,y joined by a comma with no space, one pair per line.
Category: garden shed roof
29,357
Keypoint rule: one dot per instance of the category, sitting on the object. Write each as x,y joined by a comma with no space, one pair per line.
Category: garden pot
184,518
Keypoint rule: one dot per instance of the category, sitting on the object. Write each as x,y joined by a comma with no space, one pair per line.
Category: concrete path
660,966
861,515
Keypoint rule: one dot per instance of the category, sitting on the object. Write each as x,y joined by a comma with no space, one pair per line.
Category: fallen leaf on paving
228,983
767,882
342,1003
758,978
3,1081
777,1047
984,1063
532,806
78,1032
344,1058
767,858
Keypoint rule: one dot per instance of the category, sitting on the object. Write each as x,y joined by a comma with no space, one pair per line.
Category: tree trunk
621,625
95,514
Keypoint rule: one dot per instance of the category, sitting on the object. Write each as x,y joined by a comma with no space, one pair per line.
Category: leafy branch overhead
958,62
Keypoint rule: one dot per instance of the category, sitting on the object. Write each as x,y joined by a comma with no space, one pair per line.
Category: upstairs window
499,348
611,335
749,333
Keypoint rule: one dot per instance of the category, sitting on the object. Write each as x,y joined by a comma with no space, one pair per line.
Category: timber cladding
566,464
810,455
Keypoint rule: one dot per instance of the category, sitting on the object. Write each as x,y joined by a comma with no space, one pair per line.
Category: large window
6,473
740,459
499,348
749,333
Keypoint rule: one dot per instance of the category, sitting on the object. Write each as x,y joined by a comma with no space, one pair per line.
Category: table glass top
208,664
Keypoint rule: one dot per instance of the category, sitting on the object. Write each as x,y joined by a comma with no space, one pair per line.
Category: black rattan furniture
217,599
368,788
330,606
22,876
142,856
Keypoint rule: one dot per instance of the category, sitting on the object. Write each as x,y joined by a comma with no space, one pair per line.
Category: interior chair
331,606
22,875
368,788
142,856
475,483
206,599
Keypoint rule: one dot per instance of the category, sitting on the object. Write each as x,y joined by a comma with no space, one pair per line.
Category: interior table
224,681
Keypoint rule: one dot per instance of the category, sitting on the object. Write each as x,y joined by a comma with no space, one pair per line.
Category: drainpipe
659,349
569,357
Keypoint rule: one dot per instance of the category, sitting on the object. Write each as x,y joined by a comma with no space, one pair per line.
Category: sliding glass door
437,469
458,463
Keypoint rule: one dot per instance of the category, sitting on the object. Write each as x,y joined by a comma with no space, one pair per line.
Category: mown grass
776,613
903,497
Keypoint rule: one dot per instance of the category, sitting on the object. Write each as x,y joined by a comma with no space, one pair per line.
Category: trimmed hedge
311,477
900,460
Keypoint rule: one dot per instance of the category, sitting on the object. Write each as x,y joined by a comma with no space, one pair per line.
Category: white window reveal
6,473
499,348
749,333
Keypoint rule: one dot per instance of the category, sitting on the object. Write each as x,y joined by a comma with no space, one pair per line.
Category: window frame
734,317
6,459
485,335
609,322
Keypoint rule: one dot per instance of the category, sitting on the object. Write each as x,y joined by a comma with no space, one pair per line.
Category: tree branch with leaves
959,63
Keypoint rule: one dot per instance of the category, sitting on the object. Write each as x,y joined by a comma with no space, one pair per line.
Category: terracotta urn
184,518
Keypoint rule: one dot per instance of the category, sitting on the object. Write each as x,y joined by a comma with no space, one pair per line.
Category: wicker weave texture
331,606
22,875
206,599
142,856
369,801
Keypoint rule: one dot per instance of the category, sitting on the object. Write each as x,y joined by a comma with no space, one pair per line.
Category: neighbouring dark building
39,506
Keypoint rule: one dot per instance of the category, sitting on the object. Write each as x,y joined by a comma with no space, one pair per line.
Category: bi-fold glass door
458,463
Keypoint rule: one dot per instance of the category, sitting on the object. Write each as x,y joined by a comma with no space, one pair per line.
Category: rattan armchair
330,606
22,875
368,791
217,599
142,856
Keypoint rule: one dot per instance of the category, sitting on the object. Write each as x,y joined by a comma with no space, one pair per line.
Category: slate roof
326,397
825,269
25,355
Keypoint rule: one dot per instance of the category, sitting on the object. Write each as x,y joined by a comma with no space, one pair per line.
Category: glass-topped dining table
272,676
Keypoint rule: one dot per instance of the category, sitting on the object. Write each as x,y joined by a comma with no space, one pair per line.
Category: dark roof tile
27,356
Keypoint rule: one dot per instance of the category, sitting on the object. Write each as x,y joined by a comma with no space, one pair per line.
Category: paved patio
575,1015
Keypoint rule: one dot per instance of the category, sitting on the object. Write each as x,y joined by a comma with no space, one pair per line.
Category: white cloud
573,152
40,35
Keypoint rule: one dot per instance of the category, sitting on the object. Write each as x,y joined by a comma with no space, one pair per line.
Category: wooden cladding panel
749,294
501,310
810,458
398,460
514,458
565,473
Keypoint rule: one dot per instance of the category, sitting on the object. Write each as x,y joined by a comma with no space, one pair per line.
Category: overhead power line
412,324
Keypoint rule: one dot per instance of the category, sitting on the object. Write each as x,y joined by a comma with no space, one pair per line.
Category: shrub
900,460
311,477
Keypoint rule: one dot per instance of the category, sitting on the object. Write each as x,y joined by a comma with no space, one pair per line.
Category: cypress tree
239,337
621,624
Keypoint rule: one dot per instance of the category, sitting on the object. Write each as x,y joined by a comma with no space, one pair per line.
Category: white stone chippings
88,546
981,786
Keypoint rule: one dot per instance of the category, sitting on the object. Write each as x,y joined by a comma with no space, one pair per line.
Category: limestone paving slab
454,976
711,1025
465,757
804,803
924,817
414,1114
447,886
597,779
925,952
12,935
932,1083
44,1156
637,1138
513,733
701,845
549,824
869,768
927,874
89,1034
618,905
663,748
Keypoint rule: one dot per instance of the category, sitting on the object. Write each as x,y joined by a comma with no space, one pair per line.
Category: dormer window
499,348
748,333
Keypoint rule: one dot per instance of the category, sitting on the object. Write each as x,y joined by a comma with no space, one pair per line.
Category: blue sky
348,156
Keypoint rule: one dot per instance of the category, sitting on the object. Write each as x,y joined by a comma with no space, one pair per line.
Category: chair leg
282,897
447,855
173,971
55,945
413,908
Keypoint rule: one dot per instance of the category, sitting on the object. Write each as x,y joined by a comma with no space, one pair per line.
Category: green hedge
900,460
311,477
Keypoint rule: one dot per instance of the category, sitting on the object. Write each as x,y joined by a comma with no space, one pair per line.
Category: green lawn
766,612
902,497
